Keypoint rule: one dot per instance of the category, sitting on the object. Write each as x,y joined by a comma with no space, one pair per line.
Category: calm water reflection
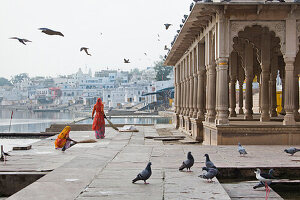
27,121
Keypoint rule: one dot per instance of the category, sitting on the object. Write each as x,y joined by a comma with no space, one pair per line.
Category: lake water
35,122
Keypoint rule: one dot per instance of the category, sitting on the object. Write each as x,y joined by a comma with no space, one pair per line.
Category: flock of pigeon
211,171
52,32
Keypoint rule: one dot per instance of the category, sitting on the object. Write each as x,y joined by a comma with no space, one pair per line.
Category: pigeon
208,163
187,163
181,25
145,54
262,184
191,6
264,178
241,149
210,173
86,50
183,21
126,60
291,150
178,31
21,40
144,175
167,26
166,48
50,32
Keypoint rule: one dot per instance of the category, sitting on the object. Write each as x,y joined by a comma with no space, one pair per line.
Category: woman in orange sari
63,141
99,123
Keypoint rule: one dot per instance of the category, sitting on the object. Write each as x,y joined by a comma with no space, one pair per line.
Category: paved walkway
104,170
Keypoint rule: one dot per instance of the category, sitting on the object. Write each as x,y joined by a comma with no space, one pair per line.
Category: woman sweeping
99,123
63,141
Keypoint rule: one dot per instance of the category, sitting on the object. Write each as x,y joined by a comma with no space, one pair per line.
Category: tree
19,78
4,82
162,72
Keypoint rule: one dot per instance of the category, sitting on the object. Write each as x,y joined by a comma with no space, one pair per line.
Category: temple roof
200,17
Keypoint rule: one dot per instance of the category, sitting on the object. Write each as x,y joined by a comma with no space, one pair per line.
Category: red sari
99,123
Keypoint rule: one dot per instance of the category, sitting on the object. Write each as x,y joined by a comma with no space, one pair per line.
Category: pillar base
241,111
197,129
248,117
194,114
175,120
264,118
289,119
222,121
232,114
181,122
187,124
210,119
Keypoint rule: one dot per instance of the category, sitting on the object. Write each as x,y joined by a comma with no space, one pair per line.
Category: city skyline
111,31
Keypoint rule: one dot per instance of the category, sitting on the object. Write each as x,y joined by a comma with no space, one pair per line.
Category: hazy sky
129,30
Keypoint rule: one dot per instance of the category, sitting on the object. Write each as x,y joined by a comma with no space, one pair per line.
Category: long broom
111,124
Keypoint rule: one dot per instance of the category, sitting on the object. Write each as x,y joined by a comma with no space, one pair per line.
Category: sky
129,29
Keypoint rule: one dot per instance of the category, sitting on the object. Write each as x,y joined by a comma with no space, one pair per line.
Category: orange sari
99,123
62,137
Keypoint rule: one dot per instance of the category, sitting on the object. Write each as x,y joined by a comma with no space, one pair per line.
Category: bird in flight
50,32
126,60
21,40
167,26
145,54
86,50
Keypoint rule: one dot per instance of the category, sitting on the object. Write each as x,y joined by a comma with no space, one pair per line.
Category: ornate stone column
201,83
265,66
241,78
181,88
195,77
289,118
211,93
222,91
191,81
282,76
272,87
176,95
187,110
249,78
232,89
296,96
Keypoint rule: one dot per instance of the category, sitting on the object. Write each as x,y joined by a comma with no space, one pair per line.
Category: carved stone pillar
191,96
296,96
265,66
241,97
249,80
232,88
201,94
222,91
272,92
289,118
211,93
195,96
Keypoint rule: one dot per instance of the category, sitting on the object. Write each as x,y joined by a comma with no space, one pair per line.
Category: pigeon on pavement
208,163
50,32
241,149
144,175
187,163
21,40
210,173
291,150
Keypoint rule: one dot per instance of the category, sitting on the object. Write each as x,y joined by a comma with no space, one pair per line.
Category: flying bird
208,163
145,54
126,60
144,175
187,163
85,49
291,150
210,173
167,26
21,40
241,149
50,32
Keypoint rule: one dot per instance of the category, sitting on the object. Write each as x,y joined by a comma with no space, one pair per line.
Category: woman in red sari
99,123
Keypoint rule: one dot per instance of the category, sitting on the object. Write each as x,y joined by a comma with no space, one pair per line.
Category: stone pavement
104,170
